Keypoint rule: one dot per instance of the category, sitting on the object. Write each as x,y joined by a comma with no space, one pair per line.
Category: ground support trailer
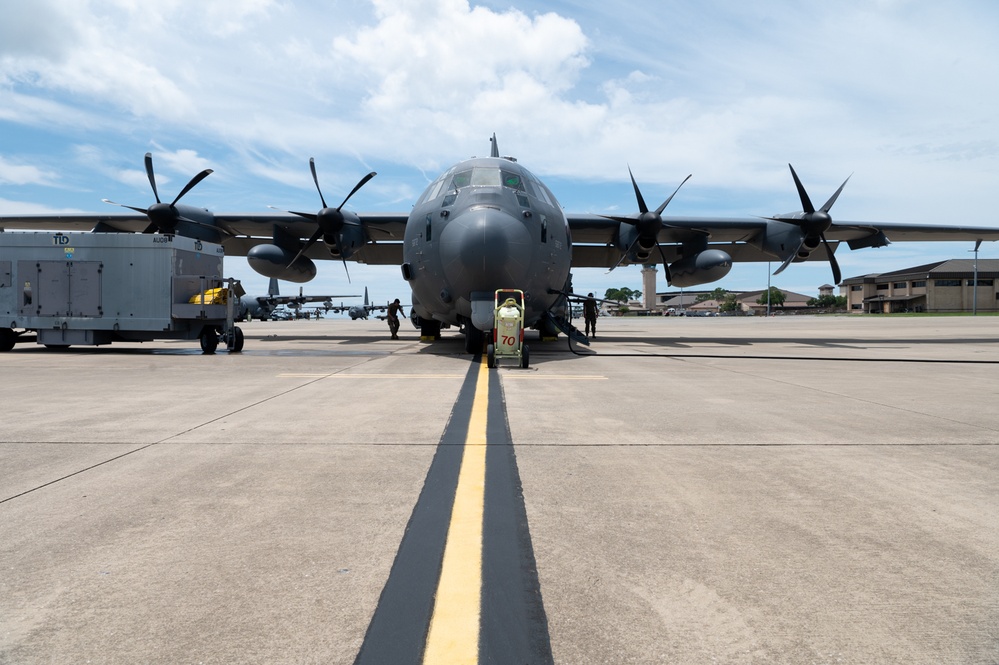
99,288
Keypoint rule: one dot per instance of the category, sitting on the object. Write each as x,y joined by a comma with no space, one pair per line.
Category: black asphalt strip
514,627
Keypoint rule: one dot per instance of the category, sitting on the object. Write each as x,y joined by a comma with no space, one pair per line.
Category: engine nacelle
351,239
781,238
808,245
274,261
701,268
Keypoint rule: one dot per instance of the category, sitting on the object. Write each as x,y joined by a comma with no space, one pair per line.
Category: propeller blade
310,243
660,209
122,205
360,184
194,181
806,203
787,261
315,179
307,215
219,229
624,220
339,248
832,199
666,272
624,254
149,174
638,194
837,277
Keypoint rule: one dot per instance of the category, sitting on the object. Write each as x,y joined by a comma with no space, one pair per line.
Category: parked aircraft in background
487,224
358,311
262,307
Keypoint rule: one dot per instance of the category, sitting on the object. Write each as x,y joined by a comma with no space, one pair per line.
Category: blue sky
902,94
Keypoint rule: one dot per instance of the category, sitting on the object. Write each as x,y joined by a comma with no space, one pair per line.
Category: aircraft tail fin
495,146
366,297
272,288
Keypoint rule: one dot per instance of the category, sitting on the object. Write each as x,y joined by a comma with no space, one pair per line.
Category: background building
945,286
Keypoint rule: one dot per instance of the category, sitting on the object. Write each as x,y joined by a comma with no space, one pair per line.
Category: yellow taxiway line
454,626
368,376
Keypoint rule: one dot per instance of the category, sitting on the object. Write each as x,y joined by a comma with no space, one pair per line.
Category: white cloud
37,29
445,55
23,174
184,162
10,207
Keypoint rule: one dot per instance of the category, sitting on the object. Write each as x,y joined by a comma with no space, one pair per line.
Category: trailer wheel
490,356
7,339
237,339
209,341
525,356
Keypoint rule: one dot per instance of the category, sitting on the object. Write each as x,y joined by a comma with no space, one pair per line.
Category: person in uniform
392,316
590,315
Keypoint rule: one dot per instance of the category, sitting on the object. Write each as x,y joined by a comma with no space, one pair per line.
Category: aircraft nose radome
484,249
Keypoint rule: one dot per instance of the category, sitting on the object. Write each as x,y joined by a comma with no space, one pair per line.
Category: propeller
330,221
164,217
647,224
813,224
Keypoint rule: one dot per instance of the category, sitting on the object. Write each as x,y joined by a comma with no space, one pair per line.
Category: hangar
954,285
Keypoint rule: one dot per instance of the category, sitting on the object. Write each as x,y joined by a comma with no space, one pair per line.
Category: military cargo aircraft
262,307
488,223
356,312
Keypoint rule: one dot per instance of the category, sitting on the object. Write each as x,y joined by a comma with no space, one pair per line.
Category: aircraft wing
287,300
240,231
595,238
74,222
384,232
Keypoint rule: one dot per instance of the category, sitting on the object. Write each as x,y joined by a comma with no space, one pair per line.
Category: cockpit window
512,180
461,179
485,176
522,182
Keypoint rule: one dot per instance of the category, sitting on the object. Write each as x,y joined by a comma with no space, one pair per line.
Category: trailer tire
525,356
209,341
491,356
237,339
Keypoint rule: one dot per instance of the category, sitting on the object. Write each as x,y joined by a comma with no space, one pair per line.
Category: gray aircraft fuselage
485,224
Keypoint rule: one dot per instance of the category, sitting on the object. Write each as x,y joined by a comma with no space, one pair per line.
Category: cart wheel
491,356
525,356
209,341
237,339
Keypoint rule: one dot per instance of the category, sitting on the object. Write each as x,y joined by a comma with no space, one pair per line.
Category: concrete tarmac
703,490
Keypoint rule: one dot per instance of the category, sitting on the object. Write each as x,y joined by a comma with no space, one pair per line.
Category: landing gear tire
209,341
525,356
7,339
491,356
430,329
473,339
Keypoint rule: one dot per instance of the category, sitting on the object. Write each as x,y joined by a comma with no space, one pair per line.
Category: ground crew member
590,315
392,316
